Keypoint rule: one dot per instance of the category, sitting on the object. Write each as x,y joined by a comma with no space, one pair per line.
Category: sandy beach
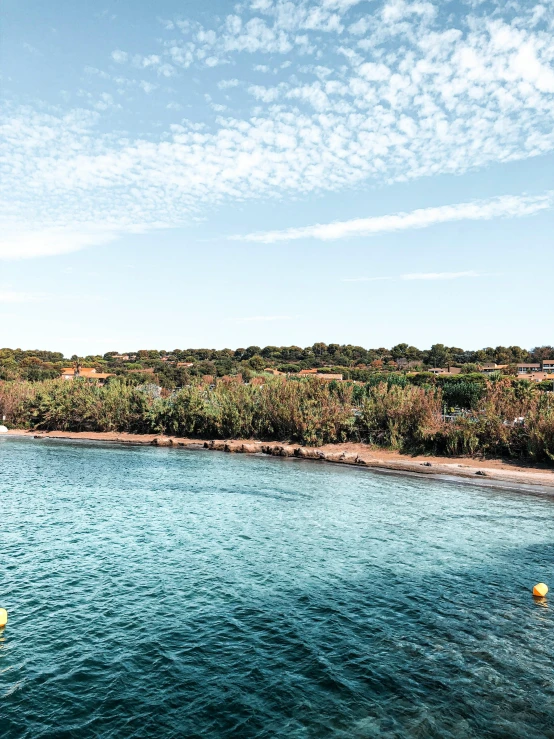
483,471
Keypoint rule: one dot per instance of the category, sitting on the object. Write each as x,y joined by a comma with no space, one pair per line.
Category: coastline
489,471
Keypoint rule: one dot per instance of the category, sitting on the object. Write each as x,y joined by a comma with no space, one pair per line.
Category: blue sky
179,174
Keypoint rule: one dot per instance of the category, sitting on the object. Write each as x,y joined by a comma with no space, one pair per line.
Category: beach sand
483,471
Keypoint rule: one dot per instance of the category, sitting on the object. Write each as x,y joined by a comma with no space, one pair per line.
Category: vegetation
180,367
462,415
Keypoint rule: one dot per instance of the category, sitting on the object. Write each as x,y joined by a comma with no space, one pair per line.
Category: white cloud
439,275
265,94
120,56
526,65
153,60
340,5
226,84
26,244
506,206
411,93
396,10
148,87
312,94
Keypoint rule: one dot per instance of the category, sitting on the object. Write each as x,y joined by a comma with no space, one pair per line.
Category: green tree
399,351
257,363
439,356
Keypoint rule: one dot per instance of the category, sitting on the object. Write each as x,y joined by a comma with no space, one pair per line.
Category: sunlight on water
168,593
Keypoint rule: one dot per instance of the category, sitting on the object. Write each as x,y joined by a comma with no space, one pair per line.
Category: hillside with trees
388,397
179,367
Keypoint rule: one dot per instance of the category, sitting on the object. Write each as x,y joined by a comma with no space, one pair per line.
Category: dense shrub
78,406
503,417
401,418
462,394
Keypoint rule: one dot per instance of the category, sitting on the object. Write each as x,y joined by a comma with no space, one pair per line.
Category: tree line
354,362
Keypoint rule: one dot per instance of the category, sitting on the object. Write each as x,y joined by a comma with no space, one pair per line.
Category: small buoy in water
3,617
540,590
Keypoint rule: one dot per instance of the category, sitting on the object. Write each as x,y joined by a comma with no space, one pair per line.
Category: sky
204,173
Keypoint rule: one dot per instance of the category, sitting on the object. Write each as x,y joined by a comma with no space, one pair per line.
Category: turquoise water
167,593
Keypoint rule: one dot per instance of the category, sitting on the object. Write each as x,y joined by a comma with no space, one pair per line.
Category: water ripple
164,593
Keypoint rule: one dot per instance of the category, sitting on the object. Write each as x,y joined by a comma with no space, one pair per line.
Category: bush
402,418
504,417
462,394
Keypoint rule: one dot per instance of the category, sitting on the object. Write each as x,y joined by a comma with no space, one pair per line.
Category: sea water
173,593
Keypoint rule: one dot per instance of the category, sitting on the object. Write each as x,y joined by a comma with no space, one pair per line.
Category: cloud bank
325,95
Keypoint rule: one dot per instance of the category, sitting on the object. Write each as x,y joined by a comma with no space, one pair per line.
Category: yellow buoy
540,590
3,617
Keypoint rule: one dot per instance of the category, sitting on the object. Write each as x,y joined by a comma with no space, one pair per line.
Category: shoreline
483,472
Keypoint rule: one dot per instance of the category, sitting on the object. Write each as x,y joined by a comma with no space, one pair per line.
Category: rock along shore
496,472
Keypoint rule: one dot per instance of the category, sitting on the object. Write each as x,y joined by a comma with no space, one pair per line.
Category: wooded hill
176,368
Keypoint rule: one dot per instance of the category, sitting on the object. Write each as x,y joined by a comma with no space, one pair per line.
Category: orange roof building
86,373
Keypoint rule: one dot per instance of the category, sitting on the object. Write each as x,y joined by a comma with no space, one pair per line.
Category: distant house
444,370
524,369
321,375
490,367
548,365
185,364
535,376
85,373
